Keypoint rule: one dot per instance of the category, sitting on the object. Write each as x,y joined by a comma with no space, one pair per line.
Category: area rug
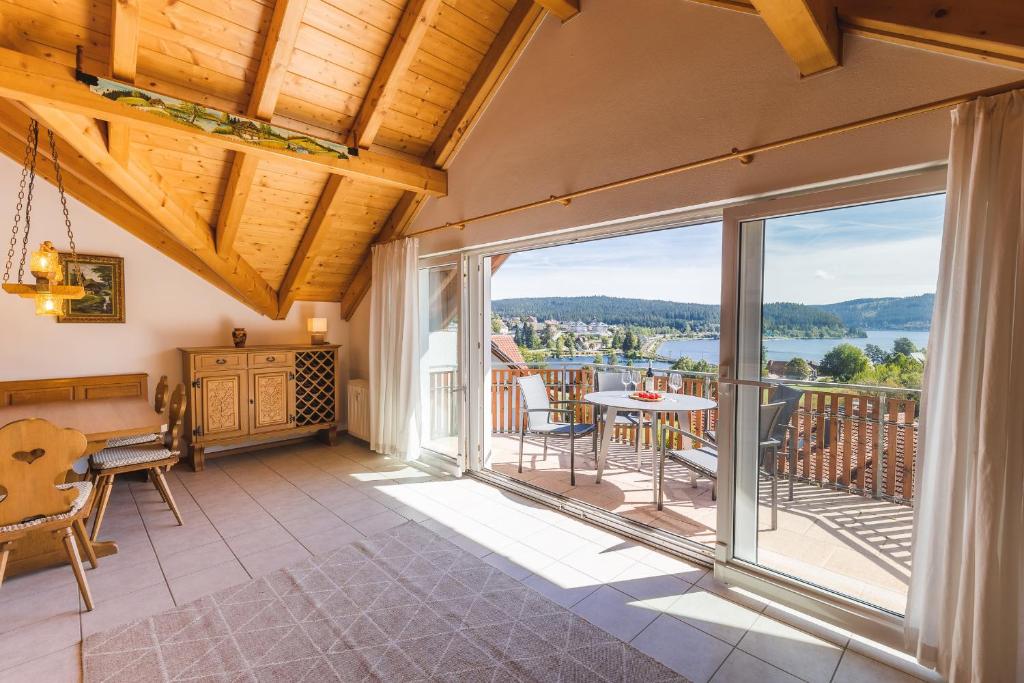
402,605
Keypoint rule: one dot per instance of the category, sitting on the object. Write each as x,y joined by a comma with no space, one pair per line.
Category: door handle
222,361
271,359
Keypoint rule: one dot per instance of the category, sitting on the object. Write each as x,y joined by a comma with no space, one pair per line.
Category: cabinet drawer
219,361
271,359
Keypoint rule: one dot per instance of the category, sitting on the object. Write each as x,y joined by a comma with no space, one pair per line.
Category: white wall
166,306
627,88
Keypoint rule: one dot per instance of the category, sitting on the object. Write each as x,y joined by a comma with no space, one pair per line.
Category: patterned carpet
403,605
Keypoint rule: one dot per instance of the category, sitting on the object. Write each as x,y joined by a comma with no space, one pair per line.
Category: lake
777,349
784,349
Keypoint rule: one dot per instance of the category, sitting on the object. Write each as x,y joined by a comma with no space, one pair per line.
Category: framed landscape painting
103,278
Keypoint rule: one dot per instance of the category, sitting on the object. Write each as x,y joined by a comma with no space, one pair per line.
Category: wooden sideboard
18,392
258,393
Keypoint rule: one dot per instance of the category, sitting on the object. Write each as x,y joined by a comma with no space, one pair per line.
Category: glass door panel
441,381
833,317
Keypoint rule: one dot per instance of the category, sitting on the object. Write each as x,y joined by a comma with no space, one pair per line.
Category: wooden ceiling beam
563,9
88,186
42,82
124,57
512,38
398,57
402,215
989,31
515,33
311,243
182,222
277,54
808,31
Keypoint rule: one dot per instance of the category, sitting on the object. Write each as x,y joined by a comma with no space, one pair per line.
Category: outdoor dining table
615,402
99,420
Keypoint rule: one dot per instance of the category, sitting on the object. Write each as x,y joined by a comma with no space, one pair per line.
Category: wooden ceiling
403,80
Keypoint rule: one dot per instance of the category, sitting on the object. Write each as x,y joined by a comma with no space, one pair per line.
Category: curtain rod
744,156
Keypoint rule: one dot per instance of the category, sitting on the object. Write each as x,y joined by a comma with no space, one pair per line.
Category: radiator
359,409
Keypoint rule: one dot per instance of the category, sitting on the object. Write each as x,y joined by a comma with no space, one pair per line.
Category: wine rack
315,387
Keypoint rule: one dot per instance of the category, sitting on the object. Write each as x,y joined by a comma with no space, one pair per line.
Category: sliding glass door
441,384
832,325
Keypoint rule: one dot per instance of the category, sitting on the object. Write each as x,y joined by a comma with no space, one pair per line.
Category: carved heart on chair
29,456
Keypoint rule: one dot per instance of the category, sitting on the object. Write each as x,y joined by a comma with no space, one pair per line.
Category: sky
874,250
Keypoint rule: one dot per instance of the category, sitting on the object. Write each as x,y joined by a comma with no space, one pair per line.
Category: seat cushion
82,488
558,429
123,456
704,460
132,440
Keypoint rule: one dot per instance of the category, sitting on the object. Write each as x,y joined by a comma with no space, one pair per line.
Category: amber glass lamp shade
45,263
48,304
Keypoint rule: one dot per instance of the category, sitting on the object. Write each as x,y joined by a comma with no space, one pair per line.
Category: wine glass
675,382
627,379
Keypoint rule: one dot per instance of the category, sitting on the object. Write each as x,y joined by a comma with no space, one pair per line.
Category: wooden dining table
100,420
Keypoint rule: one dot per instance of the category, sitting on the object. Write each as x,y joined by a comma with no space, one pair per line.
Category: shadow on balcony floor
848,543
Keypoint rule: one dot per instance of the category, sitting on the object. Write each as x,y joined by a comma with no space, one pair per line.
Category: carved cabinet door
220,404
272,395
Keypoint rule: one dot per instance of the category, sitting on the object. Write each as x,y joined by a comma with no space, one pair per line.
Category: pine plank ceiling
401,79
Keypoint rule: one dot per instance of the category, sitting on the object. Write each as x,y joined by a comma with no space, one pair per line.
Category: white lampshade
318,325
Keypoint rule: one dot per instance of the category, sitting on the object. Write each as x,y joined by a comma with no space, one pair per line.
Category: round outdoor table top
670,404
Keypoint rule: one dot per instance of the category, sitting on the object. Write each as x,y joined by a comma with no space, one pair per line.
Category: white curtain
965,614
394,350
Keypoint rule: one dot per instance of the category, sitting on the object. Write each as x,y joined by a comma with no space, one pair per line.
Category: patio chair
704,459
537,412
616,381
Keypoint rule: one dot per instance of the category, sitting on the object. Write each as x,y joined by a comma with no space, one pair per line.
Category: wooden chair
151,457
33,455
159,404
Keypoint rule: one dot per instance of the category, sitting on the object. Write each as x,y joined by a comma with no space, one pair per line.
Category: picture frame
104,289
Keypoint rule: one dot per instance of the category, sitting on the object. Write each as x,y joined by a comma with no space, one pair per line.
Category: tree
843,362
876,353
903,347
613,358
530,338
495,323
798,368
599,359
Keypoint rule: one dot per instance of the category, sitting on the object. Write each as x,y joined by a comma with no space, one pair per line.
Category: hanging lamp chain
75,268
28,177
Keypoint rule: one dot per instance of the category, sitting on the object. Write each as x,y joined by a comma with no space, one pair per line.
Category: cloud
824,275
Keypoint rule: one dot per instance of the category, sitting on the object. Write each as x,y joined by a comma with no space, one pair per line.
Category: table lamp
317,329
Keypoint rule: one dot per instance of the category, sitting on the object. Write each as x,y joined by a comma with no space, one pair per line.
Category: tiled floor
851,544
250,514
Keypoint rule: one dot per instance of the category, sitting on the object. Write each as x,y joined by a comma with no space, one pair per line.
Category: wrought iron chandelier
48,290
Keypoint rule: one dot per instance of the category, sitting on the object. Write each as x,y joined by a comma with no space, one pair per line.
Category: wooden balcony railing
861,439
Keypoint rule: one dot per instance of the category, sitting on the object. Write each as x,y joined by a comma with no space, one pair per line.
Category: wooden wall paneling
124,54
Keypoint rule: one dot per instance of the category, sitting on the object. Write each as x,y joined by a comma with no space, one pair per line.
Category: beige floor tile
614,611
855,668
792,650
188,588
561,584
116,610
265,561
39,639
195,559
681,647
739,667
64,666
250,541
712,614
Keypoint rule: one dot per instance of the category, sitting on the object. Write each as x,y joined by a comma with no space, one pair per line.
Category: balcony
847,527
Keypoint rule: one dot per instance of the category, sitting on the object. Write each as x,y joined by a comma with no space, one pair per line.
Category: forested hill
781,319
892,313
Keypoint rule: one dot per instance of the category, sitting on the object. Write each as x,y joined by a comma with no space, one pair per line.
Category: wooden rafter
808,31
312,240
42,82
984,30
563,9
277,53
149,193
412,28
95,191
124,55
515,33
